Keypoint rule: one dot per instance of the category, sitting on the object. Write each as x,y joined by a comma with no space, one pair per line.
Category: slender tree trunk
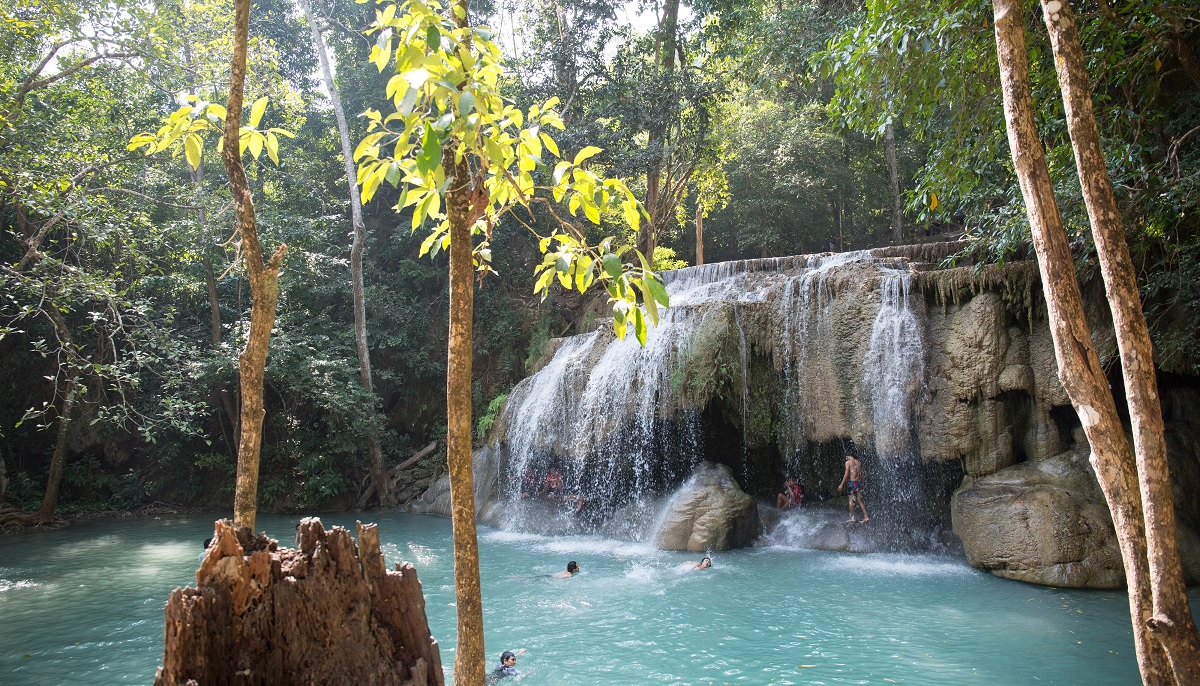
699,236
264,285
469,658
889,144
58,460
1079,367
666,41
378,470
214,310
1172,625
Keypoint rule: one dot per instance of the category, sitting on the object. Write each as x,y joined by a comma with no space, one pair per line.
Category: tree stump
327,613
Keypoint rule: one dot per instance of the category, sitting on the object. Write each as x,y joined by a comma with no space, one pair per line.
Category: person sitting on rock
553,487
792,496
529,482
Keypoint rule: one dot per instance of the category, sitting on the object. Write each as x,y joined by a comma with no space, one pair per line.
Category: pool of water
85,605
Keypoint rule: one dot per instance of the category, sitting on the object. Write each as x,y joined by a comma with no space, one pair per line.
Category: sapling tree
466,160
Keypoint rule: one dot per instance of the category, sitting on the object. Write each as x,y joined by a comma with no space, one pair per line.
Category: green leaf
409,101
619,322
648,300
589,151
466,103
543,282
433,38
256,112
658,291
591,211
583,274
639,326
612,265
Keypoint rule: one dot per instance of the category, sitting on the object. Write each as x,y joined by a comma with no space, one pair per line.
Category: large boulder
1044,521
709,512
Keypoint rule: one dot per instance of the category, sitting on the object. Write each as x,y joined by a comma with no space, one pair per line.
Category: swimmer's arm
845,475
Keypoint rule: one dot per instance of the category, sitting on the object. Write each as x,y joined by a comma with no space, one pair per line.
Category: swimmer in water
572,570
706,563
200,557
507,668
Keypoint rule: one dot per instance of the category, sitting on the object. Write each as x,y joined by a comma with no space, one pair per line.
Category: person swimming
572,570
507,667
705,563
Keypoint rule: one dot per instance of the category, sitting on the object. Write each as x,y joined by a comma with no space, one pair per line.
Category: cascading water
627,424
894,366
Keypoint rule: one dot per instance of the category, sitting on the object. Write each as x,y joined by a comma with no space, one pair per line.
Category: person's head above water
572,566
507,658
706,563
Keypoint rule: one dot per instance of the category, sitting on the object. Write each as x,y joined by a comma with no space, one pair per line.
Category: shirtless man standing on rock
852,483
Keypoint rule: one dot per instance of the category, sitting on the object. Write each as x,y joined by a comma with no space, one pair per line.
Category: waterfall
894,366
627,424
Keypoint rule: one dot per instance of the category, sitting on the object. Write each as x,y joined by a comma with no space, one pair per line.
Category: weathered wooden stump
327,613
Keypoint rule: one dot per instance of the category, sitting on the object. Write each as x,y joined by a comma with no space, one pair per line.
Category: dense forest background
775,123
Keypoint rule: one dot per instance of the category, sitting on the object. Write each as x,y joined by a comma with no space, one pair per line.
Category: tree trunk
378,468
1078,365
889,144
469,658
58,460
666,42
264,285
1172,624
326,612
699,236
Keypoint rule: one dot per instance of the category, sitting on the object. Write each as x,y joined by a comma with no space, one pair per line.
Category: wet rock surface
709,513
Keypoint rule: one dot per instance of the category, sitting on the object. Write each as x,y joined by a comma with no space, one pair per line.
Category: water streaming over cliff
626,424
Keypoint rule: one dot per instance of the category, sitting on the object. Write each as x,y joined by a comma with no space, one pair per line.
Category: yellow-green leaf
549,143
256,144
256,112
192,149
589,151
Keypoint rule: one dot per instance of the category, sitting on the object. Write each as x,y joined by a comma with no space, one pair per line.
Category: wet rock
1044,522
710,512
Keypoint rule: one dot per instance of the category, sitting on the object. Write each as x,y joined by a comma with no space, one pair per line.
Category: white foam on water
899,565
596,546
641,573
513,537
7,585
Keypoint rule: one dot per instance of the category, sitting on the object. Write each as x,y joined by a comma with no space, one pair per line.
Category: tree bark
326,612
1172,624
699,236
264,285
656,198
378,469
889,144
58,460
1079,367
469,658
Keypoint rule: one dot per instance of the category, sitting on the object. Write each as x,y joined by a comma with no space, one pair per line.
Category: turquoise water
84,605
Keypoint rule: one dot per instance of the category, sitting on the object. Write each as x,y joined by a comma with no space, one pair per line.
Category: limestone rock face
435,501
1043,522
710,512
